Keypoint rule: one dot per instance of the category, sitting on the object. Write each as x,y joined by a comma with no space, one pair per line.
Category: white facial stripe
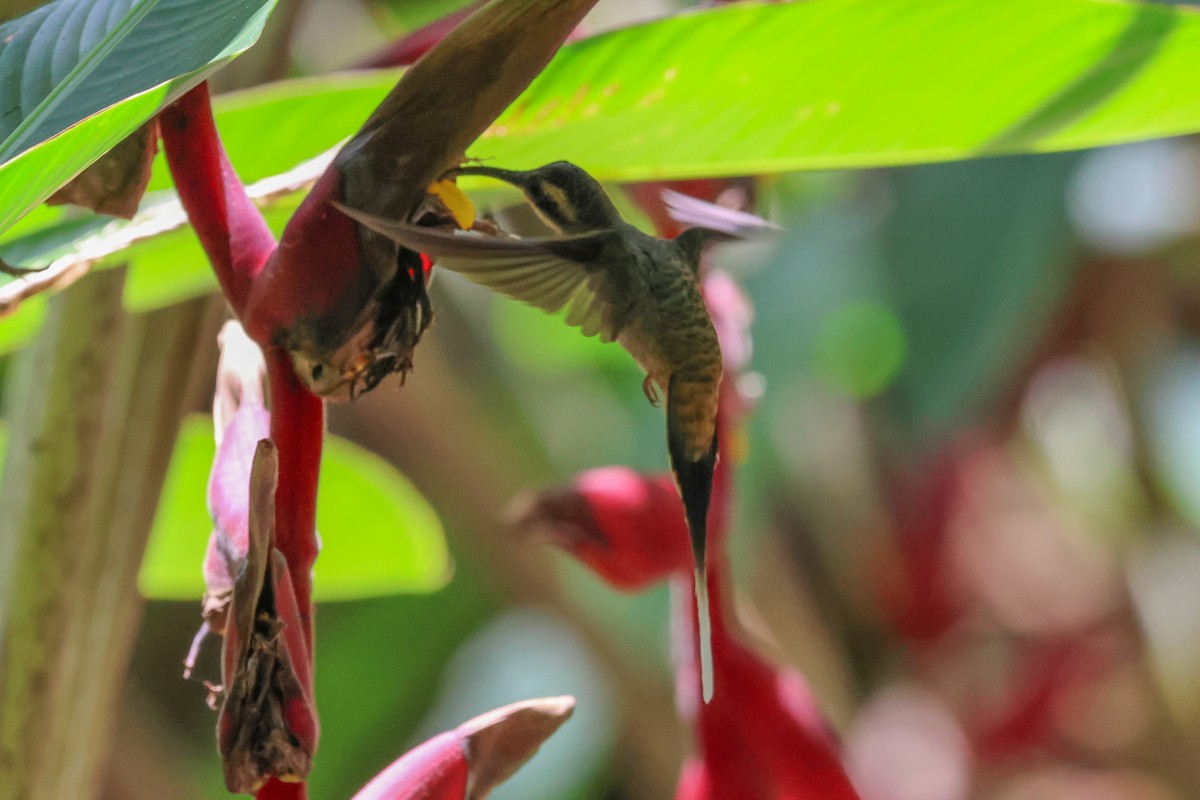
560,199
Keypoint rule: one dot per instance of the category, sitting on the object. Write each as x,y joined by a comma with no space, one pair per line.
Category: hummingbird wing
695,212
551,273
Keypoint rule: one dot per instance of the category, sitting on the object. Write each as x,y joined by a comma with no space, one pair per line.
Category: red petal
435,770
626,526
694,783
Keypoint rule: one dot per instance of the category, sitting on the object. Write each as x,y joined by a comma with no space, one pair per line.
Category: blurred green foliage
363,506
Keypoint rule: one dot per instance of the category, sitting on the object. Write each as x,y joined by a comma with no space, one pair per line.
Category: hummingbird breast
673,339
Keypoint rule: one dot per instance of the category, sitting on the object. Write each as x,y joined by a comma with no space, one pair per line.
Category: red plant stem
238,243
231,229
297,427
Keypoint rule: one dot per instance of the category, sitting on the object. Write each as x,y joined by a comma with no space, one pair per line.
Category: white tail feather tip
705,625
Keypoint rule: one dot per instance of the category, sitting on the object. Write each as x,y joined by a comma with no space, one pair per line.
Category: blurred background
967,504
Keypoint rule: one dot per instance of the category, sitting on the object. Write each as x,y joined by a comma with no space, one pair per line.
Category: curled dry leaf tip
267,726
468,762
499,742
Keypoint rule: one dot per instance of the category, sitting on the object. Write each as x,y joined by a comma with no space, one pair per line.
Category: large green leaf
77,76
379,536
757,88
751,88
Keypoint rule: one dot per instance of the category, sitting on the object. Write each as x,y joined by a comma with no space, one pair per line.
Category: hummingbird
624,285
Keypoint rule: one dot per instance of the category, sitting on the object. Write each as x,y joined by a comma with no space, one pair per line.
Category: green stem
48,497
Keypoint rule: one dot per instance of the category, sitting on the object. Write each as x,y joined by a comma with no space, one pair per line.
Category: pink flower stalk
239,246
240,420
470,760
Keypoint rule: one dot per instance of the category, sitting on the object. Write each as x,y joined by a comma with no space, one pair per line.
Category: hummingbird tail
694,479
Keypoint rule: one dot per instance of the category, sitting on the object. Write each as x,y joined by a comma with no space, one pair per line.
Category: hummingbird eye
317,372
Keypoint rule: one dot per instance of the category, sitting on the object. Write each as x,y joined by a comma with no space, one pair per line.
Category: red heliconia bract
470,760
625,525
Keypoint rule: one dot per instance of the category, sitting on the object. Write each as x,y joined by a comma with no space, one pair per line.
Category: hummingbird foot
651,392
